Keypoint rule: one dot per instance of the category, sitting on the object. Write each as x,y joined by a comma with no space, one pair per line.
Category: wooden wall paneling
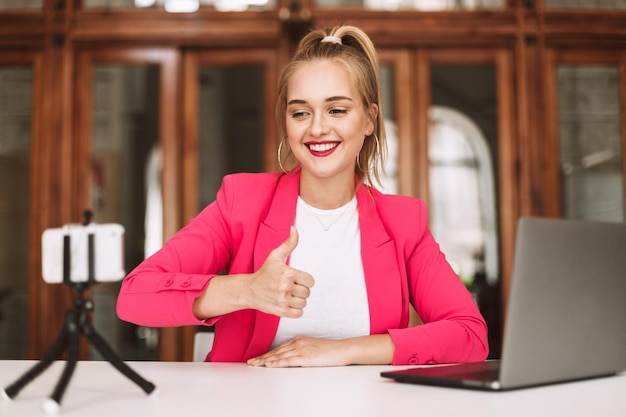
523,84
585,28
189,177
509,175
270,79
455,56
190,135
174,343
421,120
623,119
150,27
433,29
44,322
533,162
550,142
514,173
39,200
56,298
83,122
20,29
56,185
170,61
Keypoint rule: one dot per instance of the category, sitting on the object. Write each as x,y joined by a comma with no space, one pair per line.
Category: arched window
462,197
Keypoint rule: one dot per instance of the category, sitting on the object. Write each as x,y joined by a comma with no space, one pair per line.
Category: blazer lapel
380,264
273,231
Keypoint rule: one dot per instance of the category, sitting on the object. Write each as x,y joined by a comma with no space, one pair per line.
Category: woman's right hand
275,288
278,289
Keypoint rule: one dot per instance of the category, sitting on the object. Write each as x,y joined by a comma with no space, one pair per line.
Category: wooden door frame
193,60
414,162
168,60
41,296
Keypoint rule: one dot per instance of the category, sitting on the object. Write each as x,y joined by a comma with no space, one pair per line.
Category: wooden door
456,149
21,160
126,168
228,100
586,133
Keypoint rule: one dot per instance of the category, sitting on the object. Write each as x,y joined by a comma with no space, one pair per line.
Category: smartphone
108,251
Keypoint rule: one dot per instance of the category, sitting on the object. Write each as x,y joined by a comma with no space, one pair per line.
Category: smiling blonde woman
321,267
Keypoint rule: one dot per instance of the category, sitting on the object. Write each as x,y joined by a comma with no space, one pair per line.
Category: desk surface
189,389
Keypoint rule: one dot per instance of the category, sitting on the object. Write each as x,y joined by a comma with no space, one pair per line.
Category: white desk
232,390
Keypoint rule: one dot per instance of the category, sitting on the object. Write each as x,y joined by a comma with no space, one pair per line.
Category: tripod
78,321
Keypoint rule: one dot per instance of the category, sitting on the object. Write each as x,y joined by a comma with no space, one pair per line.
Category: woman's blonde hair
351,47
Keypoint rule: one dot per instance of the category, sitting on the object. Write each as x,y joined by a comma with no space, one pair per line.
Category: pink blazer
251,216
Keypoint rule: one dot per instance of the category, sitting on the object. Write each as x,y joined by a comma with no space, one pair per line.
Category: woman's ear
373,112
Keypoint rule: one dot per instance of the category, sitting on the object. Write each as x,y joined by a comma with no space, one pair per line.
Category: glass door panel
590,139
125,186
462,154
390,179
15,145
229,101
230,124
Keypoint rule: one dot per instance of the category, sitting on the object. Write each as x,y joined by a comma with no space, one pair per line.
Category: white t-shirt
329,248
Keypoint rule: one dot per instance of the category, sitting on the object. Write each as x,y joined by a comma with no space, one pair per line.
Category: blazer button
185,283
414,361
168,282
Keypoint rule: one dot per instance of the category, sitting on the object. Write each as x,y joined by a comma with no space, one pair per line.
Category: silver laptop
566,317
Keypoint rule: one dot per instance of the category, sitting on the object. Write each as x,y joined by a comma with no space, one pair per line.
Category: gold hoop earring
358,157
280,147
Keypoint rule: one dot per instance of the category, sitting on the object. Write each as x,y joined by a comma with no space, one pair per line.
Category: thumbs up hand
276,287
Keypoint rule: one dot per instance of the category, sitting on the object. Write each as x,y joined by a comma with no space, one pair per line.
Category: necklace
336,213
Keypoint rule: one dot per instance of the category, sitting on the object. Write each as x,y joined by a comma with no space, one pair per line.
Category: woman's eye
338,111
298,114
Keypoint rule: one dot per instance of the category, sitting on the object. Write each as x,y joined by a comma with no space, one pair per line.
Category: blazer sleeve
453,329
160,291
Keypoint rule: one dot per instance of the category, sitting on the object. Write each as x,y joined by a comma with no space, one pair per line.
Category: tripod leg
107,352
53,353
72,359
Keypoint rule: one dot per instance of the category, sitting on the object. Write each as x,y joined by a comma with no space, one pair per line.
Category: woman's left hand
309,351
304,351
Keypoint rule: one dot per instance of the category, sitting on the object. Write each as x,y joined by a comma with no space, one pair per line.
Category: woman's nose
318,125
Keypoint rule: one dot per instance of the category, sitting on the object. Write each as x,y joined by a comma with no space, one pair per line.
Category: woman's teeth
322,147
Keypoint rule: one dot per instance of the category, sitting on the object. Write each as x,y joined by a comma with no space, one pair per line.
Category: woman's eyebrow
337,98
328,100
